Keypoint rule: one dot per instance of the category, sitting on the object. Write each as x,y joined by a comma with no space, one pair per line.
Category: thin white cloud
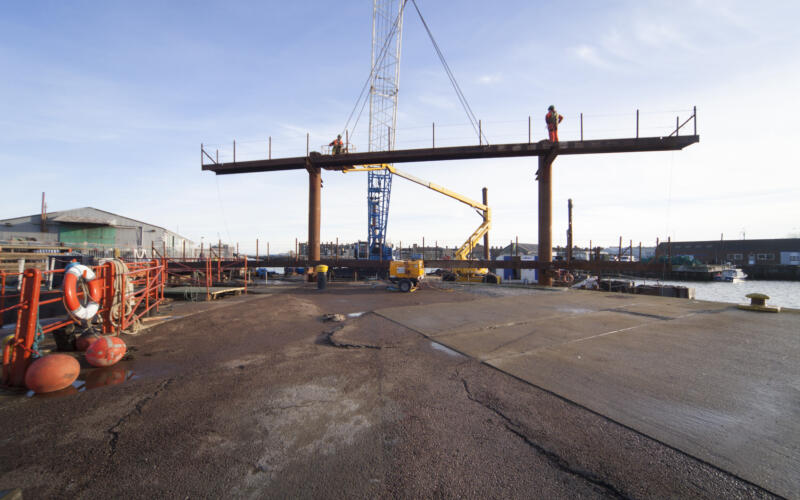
662,35
438,101
590,55
490,79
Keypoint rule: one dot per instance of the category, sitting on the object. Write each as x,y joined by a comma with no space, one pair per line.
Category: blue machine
379,189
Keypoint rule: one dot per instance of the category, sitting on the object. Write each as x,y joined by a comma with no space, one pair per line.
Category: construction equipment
406,274
462,253
387,29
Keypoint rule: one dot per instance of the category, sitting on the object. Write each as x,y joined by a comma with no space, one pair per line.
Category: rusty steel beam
544,175
541,148
314,211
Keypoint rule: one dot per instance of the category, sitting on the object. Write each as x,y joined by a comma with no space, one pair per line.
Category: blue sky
105,104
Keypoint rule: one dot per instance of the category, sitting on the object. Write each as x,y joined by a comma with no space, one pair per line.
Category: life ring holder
72,275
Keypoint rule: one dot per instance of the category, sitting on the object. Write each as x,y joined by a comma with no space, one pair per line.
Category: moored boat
730,275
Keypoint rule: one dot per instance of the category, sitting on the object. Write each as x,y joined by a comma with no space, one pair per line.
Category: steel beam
314,210
545,216
338,162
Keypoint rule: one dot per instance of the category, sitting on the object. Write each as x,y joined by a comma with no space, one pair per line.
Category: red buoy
85,340
52,373
106,351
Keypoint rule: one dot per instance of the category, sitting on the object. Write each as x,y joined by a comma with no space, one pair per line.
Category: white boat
730,275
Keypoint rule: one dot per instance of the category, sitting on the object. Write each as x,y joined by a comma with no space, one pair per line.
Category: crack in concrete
551,456
329,340
137,410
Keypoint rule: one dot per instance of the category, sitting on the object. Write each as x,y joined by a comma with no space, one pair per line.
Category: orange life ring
72,274
569,278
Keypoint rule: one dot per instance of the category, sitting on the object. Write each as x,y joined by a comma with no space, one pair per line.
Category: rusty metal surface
337,162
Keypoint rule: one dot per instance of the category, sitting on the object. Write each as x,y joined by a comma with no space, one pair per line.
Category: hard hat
551,108
339,136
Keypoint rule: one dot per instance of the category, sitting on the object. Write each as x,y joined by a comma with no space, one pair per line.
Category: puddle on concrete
575,310
93,378
355,314
445,349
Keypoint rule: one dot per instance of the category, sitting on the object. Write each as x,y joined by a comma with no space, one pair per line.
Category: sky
105,104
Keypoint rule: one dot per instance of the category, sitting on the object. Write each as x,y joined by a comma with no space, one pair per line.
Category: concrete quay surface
716,382
538,394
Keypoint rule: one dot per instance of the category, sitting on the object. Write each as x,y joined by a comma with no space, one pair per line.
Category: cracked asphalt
257,397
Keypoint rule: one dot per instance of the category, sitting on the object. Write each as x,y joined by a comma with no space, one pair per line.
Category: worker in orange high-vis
336,145
553,119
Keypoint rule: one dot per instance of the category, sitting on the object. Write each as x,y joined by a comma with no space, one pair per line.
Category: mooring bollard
322,276
758,302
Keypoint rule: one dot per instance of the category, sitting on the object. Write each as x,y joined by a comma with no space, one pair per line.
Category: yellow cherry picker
409,282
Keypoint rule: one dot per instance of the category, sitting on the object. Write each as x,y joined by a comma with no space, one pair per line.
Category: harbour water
781,293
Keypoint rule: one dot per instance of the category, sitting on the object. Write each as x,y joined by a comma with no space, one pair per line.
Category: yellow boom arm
464,250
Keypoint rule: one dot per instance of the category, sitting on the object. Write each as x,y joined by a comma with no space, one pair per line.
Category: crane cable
376,64
461,97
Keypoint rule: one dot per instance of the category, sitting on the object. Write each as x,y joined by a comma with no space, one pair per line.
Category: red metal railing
126,297
3,295
148,281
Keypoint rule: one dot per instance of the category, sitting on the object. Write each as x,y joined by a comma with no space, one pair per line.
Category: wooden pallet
34,255
7,247
199,292
10,264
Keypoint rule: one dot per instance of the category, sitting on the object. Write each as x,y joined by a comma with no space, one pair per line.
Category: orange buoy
85,340
52,373
106,351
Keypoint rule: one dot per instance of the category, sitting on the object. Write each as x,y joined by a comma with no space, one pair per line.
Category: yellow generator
406,274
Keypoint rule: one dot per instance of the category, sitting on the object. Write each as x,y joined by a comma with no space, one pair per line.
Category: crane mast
387,27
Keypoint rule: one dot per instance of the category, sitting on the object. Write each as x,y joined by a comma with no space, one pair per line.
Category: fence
129,291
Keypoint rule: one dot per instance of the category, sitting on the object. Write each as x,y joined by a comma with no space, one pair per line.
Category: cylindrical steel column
486,236
314,210
569,230
545,218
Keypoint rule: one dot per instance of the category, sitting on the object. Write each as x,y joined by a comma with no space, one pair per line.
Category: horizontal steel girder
338,162
188,267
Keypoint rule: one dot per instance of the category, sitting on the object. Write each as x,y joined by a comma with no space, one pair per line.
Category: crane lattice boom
387,27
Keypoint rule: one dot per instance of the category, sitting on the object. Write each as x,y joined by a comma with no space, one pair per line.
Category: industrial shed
94,231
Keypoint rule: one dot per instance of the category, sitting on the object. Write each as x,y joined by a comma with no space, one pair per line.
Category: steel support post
486,236
569,231
314,210
27,318
546,217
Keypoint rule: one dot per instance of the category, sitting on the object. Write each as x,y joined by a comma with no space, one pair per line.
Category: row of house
778,251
